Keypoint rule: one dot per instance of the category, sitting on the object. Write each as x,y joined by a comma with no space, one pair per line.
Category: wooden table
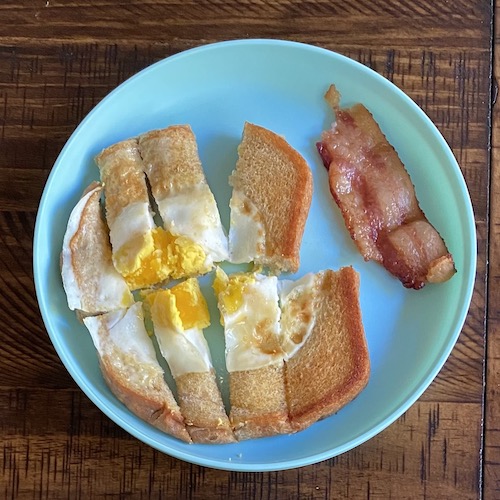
58,59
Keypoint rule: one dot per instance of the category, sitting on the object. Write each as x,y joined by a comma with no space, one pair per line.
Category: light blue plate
279,85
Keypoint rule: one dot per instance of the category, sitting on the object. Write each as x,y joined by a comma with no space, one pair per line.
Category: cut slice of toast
258,402
128,363
249,308
332,366
202,407
178,184
136,241
272,191
179,315
92,284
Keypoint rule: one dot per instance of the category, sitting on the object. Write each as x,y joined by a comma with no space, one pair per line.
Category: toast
181,192
272,191
91,283
312,364
258,402
129,366
332,365
136,241
179,315
248,303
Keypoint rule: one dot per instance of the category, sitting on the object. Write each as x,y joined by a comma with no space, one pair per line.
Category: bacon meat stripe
377,199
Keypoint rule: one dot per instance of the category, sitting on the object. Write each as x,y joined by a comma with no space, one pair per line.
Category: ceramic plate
279,85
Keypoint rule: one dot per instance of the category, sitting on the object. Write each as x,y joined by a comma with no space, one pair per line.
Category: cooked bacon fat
377,199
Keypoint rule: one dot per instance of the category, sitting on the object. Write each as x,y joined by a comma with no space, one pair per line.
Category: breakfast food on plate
91,283
295,353
326,355
272,190
184,199
179,315
377,199
138,245
128,363
248,303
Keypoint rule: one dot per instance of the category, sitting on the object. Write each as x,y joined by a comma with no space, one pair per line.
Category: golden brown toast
92,284
332,366
122,174
202,407
183,197
171,160
258,402
131,370
179,315
278,183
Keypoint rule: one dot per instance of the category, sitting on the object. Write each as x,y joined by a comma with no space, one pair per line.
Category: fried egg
298,306
250,313
121,337
194,214
146,254
179,315
246,230
91,282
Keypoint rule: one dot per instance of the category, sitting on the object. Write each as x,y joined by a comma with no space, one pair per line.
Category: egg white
194,214
246,230
260,304
293,294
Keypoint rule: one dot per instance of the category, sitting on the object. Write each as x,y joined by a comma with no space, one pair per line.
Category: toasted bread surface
278,181
333,365
171,160
129,366
155,404
89,278
201,405
122,174
258,402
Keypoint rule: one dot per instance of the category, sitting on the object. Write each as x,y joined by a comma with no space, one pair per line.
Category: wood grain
58,59
73,454
492,404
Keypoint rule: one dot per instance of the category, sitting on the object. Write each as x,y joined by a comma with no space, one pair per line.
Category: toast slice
92,284
178,184
136,241
272,191
258,402
331,365
248,303
129,366
179,315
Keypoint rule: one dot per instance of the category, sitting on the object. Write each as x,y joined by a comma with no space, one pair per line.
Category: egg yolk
182,306
230,289
162,256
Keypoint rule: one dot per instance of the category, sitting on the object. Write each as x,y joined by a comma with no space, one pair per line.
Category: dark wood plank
492,380
80,453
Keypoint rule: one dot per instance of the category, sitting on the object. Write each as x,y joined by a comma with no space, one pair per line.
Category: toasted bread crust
90,248
90,257
278,181
203,410
333,365
171,160
122,174
158,408
258,402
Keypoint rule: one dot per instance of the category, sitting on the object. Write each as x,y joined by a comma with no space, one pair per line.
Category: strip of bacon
377,199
